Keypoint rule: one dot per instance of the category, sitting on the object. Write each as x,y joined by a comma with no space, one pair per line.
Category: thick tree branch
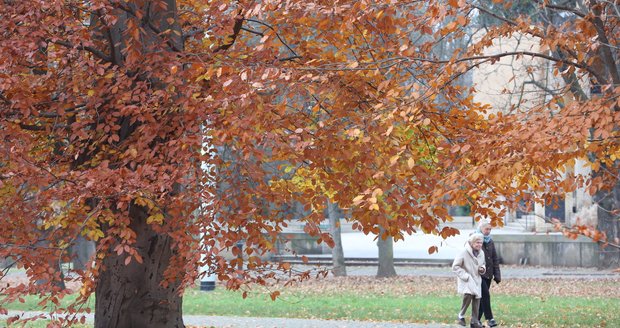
605,51
542,87
191,33
32,247
397,60
149,23
31,127
528,53
252,31
233,37
572,81
494,15
115,55
92,50
290,58
562,8
55,115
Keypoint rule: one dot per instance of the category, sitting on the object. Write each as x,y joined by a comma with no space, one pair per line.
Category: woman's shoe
462,322
492,323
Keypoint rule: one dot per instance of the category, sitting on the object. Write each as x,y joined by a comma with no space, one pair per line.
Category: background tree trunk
54,262
132,296
81,252
608,222
386,256
333,214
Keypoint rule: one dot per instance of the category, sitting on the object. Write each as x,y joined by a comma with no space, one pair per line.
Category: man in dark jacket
492,272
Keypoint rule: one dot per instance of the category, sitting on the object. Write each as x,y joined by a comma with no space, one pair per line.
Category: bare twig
252,31
295,55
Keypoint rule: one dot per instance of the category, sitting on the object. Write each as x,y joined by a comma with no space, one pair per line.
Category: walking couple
475,266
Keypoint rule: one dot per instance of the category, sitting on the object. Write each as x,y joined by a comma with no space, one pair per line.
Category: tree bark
386,256
609,202
133,296
136,295
333,214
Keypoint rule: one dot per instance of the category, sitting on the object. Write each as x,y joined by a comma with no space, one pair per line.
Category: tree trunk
132,296
608,204
135,295
386,256
333,214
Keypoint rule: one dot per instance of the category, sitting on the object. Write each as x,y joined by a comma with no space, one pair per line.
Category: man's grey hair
483,223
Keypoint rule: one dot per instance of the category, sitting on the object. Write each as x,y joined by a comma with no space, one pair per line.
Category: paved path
240,322
251,322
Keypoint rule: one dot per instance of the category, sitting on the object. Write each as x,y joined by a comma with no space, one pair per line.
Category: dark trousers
485,302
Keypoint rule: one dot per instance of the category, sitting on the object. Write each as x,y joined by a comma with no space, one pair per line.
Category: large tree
168,131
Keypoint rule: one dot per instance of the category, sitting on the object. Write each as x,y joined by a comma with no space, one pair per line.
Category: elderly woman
468,266
492,271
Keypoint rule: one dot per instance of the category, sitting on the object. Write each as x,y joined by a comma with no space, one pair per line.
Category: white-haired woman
492,271
468,266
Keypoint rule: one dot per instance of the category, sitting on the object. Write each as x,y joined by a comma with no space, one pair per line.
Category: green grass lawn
509,310
391,301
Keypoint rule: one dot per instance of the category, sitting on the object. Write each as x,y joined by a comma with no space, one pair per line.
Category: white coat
466,266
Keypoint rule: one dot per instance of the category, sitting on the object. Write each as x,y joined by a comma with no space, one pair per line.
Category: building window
526,206
459,210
